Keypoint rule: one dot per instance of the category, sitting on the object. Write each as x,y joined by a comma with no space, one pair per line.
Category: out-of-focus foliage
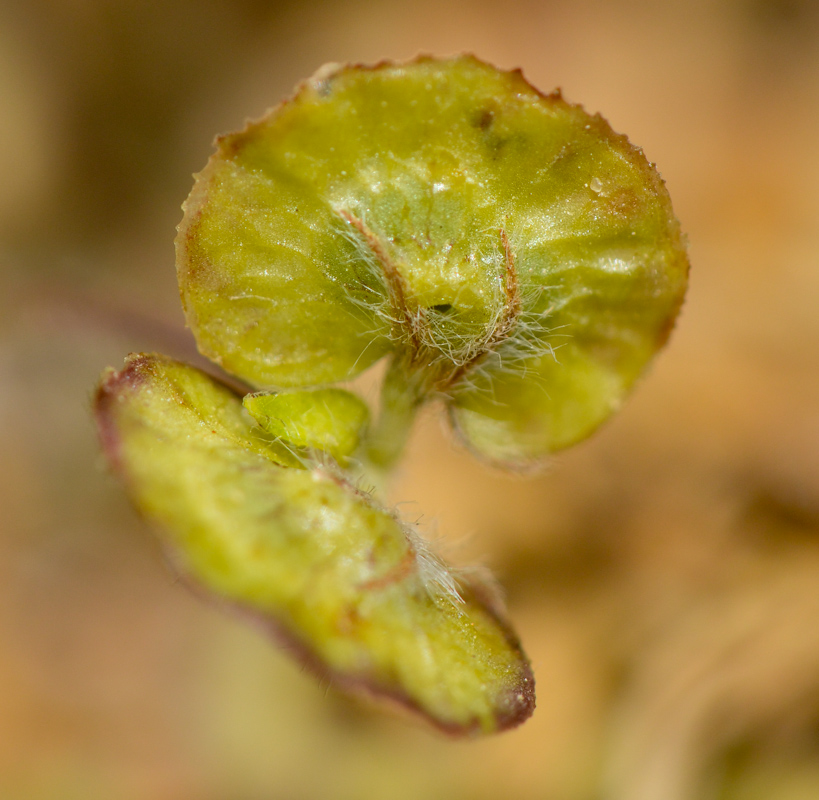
664,575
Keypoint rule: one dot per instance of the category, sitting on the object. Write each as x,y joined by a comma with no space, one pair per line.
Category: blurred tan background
664,575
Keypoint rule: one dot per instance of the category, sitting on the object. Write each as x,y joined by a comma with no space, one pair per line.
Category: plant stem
402,394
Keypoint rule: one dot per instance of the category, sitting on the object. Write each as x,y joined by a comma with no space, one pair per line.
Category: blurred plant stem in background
664,576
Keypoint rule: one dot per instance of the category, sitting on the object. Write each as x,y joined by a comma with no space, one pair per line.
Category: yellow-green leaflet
335,574
329,420
517,257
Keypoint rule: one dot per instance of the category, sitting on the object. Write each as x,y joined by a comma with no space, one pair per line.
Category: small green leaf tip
328,420
514,255
341,579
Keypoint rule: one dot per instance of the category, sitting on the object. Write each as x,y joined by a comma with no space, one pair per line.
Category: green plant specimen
507,253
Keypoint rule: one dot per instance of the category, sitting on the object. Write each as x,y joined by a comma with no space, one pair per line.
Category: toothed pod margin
510,250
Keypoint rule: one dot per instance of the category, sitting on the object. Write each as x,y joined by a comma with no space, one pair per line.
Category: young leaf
329,420
333,573
512,252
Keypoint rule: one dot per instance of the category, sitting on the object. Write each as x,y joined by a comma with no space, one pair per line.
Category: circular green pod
515,255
